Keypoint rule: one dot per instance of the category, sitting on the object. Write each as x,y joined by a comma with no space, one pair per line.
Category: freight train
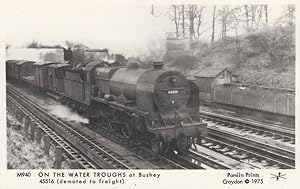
158,107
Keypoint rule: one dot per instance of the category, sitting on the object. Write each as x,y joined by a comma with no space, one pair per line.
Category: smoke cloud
58,110
130,29
65,113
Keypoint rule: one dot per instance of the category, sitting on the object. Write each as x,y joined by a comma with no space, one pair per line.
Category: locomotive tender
158,107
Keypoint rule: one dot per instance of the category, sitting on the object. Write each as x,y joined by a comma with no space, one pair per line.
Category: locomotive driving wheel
108,124
63,100
127,131
183,143
156,146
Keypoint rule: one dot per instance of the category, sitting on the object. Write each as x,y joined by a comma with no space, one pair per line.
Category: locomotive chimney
157,64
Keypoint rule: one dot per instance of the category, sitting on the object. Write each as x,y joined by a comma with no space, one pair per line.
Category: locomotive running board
119,106
53,96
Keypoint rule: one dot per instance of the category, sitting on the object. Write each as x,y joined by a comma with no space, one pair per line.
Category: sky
122,27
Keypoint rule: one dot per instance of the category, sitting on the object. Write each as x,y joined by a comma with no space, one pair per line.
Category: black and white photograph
187,87
92,85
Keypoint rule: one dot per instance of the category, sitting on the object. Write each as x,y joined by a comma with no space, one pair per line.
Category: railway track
244,149
70,152
142,153
102,158
203,160
183,160
275,132
162,162
279,155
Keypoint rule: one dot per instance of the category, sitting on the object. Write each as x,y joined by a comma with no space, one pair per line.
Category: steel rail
89,147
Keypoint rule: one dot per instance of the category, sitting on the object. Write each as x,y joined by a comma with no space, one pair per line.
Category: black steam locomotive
157,107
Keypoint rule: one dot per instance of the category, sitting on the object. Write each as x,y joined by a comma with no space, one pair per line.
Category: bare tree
247,17
213,28
176,18
200,18
260,11
266,13
223,21
291,13
225,13
277,42
236,17
183,20
260,15
253,15
195,11
192,11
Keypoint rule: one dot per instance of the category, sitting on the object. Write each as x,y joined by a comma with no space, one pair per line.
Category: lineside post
32,130
38,135
58,157
26,123
74,164
46,144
